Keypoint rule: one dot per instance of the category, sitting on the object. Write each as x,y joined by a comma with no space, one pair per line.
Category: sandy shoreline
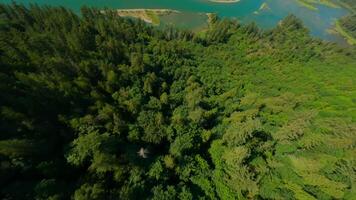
224,1
147,9
147,15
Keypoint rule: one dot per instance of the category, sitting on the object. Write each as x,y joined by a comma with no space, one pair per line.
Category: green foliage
87,191
101,107
17,148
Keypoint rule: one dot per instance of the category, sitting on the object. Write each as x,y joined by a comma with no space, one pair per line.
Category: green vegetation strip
351,40
311,4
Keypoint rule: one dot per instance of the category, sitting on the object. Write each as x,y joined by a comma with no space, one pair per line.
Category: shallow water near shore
245,11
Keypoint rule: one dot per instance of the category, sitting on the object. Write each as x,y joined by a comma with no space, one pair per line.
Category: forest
96,106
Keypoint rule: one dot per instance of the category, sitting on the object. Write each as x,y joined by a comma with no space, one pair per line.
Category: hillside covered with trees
102,107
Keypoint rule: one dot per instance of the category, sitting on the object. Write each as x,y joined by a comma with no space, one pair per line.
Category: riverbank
150,16
345,26
224,1
337,29
340,30
312,4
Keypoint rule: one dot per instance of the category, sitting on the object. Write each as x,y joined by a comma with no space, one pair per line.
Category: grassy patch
153,16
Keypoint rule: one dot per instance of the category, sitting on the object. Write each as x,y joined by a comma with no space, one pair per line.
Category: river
246,11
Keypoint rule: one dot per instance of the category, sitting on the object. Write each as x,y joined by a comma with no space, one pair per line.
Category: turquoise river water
246,11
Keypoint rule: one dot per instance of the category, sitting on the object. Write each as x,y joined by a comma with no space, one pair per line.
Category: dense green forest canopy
103,107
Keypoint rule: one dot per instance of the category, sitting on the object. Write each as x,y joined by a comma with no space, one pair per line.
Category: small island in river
264,7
